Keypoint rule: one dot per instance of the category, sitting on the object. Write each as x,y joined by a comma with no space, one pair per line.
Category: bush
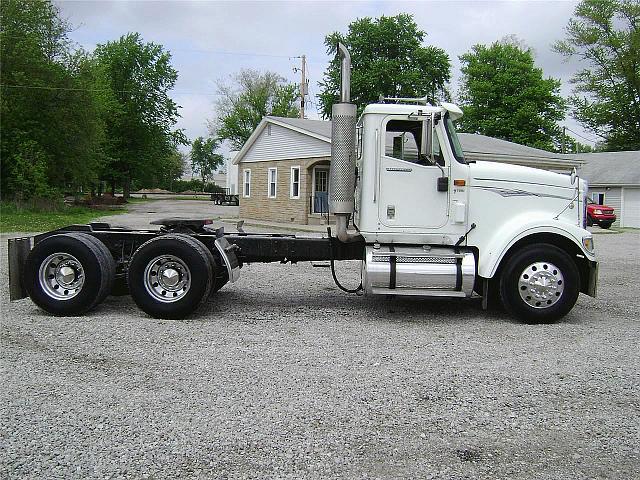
27,174
195,186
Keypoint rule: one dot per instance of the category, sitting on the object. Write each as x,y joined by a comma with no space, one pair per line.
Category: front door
409,196
321,190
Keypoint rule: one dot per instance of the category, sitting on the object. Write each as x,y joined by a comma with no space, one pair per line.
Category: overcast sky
211,40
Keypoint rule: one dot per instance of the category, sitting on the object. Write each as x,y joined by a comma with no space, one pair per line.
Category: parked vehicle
601,215
219,198
428,223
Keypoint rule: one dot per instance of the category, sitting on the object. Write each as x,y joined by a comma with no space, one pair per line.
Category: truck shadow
313,306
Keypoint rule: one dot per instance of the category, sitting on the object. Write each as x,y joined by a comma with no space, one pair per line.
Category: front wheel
540,284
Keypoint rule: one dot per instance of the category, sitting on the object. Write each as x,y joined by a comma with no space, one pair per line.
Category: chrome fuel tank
427,271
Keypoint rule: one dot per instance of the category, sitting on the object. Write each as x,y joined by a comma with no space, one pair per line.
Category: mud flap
19,249
228,254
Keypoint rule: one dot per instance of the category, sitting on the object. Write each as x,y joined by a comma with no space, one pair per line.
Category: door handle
392,169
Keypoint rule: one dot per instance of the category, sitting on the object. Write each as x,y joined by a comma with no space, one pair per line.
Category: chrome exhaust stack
342,174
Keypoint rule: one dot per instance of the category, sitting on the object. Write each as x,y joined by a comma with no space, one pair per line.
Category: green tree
246,100
388,58
504,95
140,122
605,35
51,104
204,159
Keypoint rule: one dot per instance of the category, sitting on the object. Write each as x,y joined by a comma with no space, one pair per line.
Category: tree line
74,120
502,92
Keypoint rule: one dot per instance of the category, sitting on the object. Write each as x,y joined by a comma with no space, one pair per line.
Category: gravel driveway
281,375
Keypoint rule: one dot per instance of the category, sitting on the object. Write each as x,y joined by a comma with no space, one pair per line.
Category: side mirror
574,175
443,184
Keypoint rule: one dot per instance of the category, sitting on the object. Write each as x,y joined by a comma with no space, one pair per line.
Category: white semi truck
427,223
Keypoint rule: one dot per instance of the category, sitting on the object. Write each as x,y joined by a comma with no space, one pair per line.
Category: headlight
597,211
587,243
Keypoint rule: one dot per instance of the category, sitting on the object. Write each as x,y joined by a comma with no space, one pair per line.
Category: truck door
408,185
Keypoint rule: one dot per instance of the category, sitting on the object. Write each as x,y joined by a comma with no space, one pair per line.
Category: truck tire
69,274
171,276
539,284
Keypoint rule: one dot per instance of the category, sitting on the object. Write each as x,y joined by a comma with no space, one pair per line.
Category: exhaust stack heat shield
342,176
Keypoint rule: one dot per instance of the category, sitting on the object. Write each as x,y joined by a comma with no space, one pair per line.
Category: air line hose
333,269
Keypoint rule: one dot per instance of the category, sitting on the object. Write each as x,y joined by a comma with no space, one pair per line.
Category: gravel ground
283,376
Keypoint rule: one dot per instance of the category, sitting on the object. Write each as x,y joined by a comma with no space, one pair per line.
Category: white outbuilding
614,180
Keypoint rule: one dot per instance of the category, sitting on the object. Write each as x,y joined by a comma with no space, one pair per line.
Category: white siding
283,144
232,174
631,206
613,198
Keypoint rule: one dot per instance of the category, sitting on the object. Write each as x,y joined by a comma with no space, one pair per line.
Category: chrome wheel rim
167,278
541,285
61,276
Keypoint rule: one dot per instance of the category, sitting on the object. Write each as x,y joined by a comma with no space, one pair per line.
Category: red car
601,215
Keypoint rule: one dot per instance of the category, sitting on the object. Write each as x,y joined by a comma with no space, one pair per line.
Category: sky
211,40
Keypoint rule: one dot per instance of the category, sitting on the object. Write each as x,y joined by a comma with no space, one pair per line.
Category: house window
295,182
247,183
272,179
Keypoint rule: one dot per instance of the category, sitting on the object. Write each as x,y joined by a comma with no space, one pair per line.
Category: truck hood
502,172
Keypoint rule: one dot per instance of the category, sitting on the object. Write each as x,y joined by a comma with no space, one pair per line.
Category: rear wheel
69,274
171,276
540,284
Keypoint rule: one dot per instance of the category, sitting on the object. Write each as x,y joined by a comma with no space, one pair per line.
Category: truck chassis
225,253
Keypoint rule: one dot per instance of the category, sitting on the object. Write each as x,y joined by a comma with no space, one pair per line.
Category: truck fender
502,239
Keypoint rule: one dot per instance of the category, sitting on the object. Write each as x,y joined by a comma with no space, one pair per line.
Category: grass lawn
25,219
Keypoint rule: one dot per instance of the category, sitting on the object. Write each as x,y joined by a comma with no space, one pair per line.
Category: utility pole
564,135
303,85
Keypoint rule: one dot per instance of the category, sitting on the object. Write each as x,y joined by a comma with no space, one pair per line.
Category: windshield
453,139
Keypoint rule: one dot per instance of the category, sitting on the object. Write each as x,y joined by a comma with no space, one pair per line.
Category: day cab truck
427,223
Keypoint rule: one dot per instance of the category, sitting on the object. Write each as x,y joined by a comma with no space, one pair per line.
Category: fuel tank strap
458,274
392,265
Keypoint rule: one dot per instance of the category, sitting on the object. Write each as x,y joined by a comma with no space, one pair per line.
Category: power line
191,50
71,89
583,137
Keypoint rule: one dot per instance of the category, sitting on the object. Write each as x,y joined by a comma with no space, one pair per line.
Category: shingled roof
607,168
610,168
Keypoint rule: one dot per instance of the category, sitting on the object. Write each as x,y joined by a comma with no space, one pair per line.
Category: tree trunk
126,187
113,188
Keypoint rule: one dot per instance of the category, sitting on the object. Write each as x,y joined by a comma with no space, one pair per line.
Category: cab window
403,140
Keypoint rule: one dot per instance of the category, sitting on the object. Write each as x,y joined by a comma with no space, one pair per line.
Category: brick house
283,168
283,171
